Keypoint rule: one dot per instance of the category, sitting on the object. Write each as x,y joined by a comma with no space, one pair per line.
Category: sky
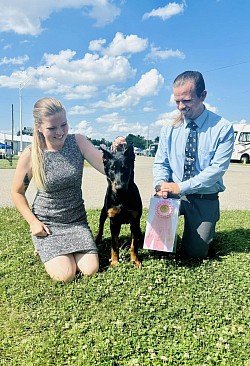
112,63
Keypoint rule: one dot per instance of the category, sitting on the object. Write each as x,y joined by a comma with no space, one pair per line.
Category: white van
241,151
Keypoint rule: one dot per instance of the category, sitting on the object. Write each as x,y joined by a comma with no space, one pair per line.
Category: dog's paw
113,211
114,263
137,263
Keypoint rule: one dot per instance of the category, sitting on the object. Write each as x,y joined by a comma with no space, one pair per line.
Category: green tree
138,141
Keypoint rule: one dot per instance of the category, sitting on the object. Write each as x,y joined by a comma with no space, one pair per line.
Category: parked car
153,149
241,151
138,151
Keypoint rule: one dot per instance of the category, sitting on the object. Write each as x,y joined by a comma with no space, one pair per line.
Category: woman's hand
37,228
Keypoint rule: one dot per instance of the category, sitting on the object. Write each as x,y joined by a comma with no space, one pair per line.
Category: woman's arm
22,178
90,153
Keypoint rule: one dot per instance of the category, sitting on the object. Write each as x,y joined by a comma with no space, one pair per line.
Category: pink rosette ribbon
160,236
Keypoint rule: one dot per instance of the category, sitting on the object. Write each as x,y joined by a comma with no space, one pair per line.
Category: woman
58,222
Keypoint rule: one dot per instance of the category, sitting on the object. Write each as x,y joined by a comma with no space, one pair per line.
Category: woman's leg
61,268
87,263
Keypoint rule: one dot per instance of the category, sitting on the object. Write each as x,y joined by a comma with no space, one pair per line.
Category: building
6,138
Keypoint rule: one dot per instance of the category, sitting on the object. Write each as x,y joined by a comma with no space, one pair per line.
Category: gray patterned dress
61,206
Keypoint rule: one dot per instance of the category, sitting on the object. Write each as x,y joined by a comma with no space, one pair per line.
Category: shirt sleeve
217,167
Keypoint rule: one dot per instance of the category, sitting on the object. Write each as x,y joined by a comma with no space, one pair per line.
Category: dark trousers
201,212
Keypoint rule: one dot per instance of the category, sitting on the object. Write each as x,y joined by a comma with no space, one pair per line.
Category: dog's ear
106,155
129,152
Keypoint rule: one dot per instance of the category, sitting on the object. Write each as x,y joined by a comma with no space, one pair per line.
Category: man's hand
164,188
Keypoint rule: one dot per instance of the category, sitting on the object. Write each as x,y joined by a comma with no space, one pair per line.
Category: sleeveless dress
61,206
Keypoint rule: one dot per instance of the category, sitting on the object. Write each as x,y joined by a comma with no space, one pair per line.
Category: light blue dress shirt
215,140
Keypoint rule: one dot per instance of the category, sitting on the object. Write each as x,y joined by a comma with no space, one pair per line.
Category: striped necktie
190,151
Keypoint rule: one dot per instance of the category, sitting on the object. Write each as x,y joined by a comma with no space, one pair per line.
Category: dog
122,203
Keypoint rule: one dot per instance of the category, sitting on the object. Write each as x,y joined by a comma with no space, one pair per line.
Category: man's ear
203,95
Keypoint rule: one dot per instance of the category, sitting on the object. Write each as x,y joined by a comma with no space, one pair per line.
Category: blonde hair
43,108
178,120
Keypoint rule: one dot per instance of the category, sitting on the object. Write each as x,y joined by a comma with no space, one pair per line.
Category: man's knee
195,250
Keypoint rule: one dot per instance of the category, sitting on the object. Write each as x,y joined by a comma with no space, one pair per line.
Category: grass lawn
9,163
170,312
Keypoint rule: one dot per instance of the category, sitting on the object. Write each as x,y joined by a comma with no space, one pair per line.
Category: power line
226,67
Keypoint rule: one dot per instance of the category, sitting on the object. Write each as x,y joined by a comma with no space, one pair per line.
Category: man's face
187,101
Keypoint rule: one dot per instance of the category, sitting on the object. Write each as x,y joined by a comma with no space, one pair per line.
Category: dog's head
119,167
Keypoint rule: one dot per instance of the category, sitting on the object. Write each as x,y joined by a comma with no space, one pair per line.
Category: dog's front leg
136,237
102,220
115,231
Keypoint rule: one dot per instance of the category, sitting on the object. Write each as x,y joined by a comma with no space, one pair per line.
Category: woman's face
55,130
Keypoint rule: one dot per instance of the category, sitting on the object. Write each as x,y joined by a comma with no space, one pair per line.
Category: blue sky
112,63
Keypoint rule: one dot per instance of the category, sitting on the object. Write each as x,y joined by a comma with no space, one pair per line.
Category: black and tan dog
122,202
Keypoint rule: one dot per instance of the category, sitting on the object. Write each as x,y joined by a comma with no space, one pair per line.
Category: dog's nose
118,186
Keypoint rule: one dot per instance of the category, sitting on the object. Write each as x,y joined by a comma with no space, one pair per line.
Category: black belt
211,196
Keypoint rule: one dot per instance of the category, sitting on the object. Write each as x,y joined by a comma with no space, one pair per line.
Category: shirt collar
199,120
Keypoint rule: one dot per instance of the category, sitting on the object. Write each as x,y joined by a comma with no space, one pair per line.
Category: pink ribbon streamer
160,236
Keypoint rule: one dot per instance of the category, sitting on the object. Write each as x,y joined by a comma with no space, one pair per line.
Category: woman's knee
62,268
88,263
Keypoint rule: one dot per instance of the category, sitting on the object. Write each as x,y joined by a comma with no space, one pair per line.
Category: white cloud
103,11
166,12
166,118
90,69
121,45
127,128
211,108
81,92
80,110
14,61
111,118
26,17
97,45
113,124
7,46
148,109
83,128
71,77
149,85
156,53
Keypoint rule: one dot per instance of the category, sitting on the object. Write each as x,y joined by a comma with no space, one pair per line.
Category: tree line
136,140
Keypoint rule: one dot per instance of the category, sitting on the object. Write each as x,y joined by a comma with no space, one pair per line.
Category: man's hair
194,76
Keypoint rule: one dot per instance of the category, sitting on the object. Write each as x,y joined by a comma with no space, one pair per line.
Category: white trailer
241,151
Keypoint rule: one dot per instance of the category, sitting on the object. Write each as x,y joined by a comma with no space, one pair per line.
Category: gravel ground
235,197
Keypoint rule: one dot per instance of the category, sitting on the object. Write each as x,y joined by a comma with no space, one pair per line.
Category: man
119,144
193,154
